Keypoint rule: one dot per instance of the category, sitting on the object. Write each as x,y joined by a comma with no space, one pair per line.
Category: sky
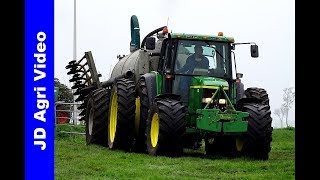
103,27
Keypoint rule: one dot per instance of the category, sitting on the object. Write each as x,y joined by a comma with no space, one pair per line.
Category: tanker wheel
122,115
96,117
256,143
142,108
259,93
221,145
166,127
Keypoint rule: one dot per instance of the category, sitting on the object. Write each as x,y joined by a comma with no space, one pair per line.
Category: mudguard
151,85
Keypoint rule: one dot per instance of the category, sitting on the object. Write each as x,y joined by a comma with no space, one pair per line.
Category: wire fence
68,115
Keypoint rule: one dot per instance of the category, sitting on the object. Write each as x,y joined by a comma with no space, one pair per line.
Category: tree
288,98
283,111
64,93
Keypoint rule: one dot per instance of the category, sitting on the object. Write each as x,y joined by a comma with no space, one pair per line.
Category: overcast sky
103,27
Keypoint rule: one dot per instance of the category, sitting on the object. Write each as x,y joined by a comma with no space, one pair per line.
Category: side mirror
254,51
150,43
233,46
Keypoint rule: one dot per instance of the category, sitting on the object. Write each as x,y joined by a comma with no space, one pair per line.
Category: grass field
75,160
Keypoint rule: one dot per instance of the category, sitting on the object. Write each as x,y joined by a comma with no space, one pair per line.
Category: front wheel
166,127
257,140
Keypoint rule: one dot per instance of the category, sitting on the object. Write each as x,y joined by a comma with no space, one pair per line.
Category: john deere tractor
146,106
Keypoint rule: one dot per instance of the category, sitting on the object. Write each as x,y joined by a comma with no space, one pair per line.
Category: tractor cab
201,59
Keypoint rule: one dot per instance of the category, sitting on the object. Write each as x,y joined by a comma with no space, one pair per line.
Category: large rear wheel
96,117
122,115
166,127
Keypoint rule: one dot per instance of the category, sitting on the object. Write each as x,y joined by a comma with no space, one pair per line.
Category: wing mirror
150,43
254,51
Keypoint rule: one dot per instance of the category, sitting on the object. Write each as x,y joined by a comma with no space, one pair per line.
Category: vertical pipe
75,120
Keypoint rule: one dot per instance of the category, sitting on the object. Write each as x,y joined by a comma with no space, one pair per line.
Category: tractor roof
202,37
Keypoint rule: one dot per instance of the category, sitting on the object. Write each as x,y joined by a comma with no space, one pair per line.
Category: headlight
206,100
222,101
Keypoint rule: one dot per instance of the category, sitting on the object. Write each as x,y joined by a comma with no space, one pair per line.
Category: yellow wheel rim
239,143
137,117
154,132
113,116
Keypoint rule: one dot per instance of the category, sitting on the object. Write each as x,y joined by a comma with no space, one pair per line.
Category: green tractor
152,104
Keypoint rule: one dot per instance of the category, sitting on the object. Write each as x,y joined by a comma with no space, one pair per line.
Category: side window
210,53
182,55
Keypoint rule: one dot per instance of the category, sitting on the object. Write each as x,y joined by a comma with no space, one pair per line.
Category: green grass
75,160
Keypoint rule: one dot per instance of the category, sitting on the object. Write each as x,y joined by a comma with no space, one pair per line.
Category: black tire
221,145
259,93
171,129
141,117
257,140
96,117
122,115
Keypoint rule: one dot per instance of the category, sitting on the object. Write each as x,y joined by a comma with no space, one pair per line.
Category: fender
150,80
242,98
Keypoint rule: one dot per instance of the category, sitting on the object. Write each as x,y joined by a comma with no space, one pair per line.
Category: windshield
203,58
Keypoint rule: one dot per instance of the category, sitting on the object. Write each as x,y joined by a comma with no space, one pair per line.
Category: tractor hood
209,82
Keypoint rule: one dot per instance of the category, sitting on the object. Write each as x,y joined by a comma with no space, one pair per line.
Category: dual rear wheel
110,116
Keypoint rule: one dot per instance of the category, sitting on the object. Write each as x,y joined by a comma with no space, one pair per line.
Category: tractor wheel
122,115
257,140
166,127
96,117
222,145
258,93
142,108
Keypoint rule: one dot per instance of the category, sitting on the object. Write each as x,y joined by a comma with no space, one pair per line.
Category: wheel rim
113,117
154,132
137,117
239,143
91,115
